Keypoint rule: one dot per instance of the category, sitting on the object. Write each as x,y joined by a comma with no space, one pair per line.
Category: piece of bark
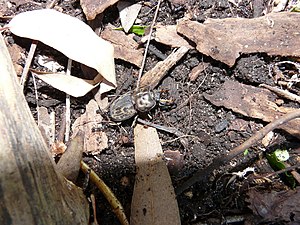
157,73
92,8
168,35
253,102
125,47
154,201
32,192
95,140
226,39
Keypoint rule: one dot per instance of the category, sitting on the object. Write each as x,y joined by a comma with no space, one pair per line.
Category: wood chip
226,39
92,8
46,124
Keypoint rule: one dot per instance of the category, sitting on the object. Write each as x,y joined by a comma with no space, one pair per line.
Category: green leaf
138,30
277,164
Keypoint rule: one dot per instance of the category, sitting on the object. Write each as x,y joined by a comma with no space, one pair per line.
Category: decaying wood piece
153,200
253,102
226,39
157,73
32,192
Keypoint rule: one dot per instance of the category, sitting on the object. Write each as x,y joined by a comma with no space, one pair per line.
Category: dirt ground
209,128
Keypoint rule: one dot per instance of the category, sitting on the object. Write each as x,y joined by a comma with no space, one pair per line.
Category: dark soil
213,202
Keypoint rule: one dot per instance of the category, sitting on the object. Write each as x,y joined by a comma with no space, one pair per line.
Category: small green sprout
136,29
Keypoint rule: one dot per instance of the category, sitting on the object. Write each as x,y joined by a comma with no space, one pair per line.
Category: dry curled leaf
70,36
71,85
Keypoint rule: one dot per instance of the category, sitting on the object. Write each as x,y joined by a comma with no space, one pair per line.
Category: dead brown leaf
125,47
153,200
92,8
276,206
226,39
253,102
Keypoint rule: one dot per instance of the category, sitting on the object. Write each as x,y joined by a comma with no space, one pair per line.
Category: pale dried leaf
128,13
71,85
153,190
68,35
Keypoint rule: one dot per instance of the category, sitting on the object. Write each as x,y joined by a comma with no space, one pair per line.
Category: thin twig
178,138
284,93
281,171
36,99
28,63
203,174
147,46
171,130
68,104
